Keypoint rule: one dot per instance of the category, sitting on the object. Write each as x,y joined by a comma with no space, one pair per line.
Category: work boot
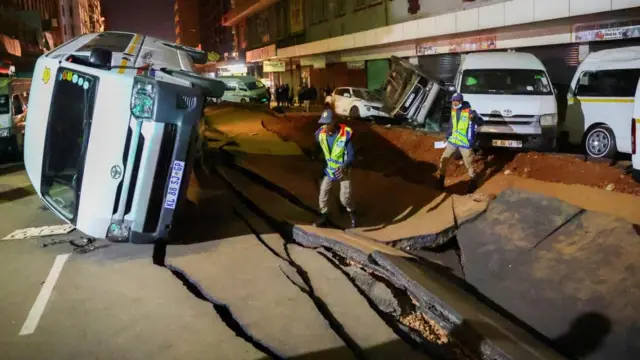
352,215
473,186
322,222
441,182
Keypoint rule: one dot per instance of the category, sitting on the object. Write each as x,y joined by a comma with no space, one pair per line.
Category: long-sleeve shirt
349,152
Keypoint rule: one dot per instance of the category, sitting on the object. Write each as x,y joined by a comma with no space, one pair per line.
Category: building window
319,13
70,11
338,8
62,8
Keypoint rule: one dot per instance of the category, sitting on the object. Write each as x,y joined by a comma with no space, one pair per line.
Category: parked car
13,111
356,103
601,101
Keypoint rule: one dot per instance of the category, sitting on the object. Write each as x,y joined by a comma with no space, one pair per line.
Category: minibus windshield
67,140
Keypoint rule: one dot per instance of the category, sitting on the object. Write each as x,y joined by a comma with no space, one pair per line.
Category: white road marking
41,301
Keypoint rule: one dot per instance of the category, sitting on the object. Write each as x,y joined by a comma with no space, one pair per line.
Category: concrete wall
398,11
353,19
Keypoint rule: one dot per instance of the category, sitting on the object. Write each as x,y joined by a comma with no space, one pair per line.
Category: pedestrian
327,91
335,141
460,137
305,96
313,94
268,96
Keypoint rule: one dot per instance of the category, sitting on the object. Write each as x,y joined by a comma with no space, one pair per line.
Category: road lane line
41,301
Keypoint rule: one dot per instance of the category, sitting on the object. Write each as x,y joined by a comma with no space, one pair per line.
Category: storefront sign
355,65
296,16
274,66
610,30
477,43
261,54
472,44
426,49
318,62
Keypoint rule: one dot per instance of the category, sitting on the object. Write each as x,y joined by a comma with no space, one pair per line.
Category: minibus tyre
601,132
243,101
635,173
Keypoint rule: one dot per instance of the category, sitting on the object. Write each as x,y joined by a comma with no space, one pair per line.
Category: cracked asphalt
231,288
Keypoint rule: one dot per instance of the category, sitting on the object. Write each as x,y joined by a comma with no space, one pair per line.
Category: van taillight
633,136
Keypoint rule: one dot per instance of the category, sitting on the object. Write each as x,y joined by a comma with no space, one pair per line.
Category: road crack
224,312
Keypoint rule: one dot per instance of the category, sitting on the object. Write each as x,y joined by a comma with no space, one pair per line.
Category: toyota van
600,102
513,93
111,132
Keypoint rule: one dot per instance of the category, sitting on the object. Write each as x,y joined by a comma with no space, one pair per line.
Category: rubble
429,329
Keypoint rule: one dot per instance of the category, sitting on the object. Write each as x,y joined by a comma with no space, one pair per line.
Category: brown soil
411,155
429,329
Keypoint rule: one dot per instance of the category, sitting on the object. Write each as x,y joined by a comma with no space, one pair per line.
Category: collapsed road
249,278
549,270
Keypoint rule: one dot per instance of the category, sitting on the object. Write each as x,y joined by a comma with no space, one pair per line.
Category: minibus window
506,82
4,104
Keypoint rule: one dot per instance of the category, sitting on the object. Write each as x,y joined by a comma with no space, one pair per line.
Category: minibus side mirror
101,58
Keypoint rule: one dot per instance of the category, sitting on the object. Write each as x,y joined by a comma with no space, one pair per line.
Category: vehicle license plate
507,143
174,185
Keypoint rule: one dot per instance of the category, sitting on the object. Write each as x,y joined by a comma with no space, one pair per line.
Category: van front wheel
600,142
243,101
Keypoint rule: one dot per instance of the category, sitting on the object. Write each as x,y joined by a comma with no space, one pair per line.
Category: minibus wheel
600,142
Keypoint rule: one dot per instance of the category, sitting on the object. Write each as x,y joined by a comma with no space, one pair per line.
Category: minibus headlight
117,231
549,120
143,99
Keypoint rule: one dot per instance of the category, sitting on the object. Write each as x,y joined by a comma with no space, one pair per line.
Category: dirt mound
411,155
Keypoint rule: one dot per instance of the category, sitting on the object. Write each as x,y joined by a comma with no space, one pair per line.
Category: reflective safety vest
460,127
336,155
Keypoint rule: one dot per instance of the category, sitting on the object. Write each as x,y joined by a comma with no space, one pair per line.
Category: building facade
214,37
79,17
187,22
27,29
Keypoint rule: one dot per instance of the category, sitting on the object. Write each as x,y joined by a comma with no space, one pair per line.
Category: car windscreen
254,85
66,140
505,81
4,104
116,42
365,95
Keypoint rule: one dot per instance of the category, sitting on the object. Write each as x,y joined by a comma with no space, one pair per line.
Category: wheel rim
598,143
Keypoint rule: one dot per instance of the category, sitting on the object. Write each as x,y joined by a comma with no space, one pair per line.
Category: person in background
327,91
305,97
313,94
269,96
460,138
335,141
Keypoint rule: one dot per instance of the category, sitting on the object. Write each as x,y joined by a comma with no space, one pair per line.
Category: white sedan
356,103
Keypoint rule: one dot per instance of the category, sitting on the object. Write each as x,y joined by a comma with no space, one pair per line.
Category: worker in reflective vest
335,141
460,138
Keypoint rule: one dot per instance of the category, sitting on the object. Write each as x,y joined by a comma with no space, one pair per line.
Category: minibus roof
502,60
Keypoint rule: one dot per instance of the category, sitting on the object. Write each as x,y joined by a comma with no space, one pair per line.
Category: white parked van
513,93
111,130
244,89
600,102
13,109
635,136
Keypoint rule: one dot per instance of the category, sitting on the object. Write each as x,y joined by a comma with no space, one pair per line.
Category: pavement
229,287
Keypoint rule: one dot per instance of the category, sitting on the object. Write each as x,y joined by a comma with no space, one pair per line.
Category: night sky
150,17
